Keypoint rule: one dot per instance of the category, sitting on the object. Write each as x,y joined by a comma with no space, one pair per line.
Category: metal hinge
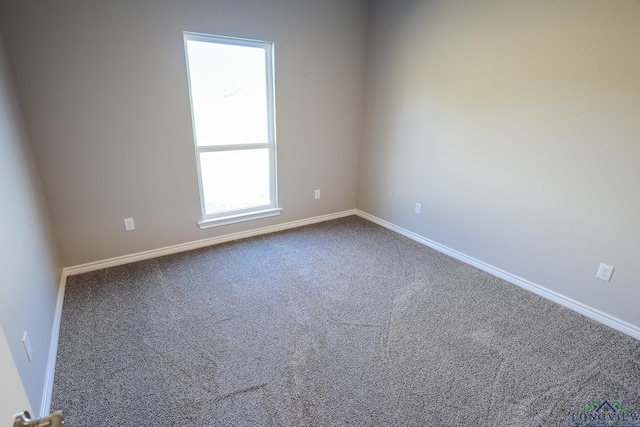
24,420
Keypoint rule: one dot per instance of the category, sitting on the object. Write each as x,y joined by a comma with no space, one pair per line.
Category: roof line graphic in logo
599,405
594,404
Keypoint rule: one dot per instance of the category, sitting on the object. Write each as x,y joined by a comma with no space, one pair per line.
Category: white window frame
272,209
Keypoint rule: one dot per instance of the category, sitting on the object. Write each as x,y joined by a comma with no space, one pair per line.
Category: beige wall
516,125
104,90
29,267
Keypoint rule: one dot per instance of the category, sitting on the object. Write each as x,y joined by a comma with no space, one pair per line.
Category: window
232,109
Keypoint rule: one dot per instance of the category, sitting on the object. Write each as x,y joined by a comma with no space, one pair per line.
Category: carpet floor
338,323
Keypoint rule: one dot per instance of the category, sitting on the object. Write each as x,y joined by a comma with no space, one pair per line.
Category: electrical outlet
418,208
27,345
604,272
128,224
317,196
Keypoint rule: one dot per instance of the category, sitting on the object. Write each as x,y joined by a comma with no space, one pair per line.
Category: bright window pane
228,93
232,104
235,180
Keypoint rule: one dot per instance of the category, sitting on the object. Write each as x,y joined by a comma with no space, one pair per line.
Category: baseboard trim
168,250
590,312
47,393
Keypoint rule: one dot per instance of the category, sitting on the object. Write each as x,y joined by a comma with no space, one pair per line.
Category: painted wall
29,266
104,92
516,125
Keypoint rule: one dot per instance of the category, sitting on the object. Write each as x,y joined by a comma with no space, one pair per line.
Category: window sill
232,219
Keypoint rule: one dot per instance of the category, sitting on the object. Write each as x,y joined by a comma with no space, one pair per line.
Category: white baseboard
47,393
168,250
598,316
592,313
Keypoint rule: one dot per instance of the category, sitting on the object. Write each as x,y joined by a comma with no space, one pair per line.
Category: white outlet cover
604,272
317,194
418,208
128,224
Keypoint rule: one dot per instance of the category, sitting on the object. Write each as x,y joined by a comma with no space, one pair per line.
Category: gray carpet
339,323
